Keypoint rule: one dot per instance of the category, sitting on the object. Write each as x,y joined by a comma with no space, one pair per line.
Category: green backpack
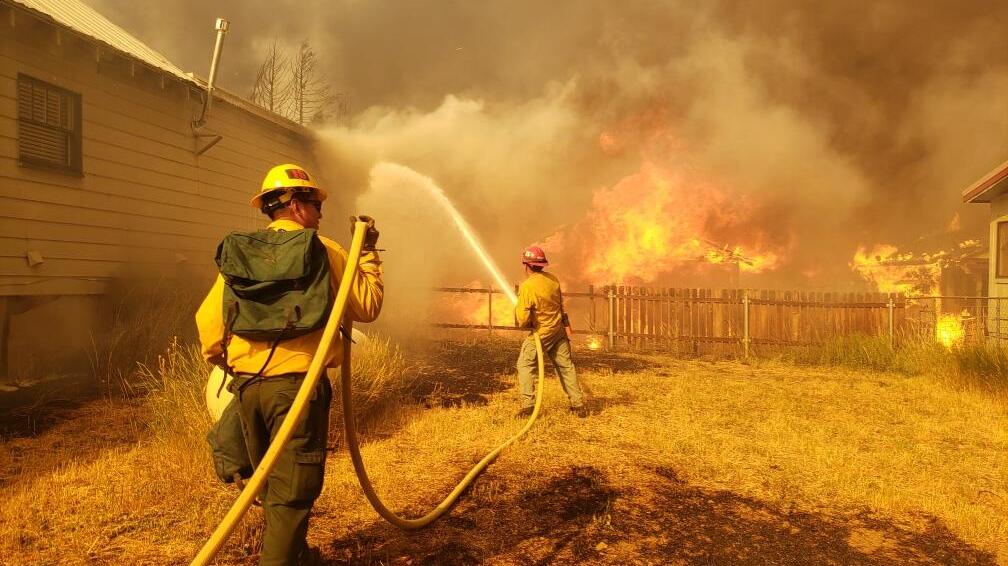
277,284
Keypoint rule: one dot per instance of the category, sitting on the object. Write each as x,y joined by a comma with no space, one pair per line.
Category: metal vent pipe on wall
222,28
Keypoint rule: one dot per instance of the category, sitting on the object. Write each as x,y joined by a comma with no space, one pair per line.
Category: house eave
989,187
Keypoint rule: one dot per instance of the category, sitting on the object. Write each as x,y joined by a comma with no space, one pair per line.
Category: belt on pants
254,378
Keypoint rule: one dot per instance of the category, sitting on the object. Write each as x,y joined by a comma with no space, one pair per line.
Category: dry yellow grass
680,462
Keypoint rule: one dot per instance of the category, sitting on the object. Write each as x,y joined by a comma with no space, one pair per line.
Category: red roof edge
983,190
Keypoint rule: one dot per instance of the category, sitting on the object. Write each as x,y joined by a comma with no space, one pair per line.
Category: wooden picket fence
738,321
727,320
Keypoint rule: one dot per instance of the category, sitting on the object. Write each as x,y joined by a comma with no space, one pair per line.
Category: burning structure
961,271
112,165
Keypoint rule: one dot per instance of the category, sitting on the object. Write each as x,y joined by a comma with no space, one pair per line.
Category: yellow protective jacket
295,354
540,306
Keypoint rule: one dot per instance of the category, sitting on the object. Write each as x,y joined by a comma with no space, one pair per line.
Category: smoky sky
862,120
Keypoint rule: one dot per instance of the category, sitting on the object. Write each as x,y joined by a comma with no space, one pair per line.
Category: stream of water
461,225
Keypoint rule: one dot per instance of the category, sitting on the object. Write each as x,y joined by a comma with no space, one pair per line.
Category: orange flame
667,215
474,308
503,311
658,219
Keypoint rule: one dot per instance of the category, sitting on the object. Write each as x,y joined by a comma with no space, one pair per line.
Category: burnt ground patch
79,436
450,373
612,361
32,410
581,517
545,524
690,525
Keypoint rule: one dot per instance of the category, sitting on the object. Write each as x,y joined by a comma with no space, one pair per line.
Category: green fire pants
559,352
296,480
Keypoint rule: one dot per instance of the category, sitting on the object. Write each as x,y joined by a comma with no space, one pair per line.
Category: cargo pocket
309,469
306,449
309,457
227,444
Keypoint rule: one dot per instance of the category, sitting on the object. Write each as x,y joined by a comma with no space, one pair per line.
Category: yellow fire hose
300,403
449,500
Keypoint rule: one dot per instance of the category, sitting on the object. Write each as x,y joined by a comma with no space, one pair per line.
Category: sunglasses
316,203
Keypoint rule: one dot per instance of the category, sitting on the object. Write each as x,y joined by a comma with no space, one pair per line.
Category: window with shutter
49,125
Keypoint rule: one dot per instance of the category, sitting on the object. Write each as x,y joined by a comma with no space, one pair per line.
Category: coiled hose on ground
451,498
300,403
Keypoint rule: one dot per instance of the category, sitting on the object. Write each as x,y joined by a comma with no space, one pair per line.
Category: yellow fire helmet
287,179
216,402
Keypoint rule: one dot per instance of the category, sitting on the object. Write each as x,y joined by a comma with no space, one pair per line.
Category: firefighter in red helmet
540,309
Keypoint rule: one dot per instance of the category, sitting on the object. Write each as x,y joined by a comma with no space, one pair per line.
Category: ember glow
502,308
949,329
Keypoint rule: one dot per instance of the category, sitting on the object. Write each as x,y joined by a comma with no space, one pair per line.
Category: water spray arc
463,227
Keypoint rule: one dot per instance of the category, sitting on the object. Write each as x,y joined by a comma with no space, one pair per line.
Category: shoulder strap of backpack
293,315
229,319
292,318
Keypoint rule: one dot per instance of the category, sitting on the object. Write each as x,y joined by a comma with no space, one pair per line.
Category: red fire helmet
534,255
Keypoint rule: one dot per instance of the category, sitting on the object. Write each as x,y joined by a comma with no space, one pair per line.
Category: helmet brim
256,201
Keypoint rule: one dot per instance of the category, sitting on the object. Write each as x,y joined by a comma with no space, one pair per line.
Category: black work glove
370,234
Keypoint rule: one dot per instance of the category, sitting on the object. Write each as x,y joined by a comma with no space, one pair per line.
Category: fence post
937,314
745,323
892,322
490,309
591,316
997,318
5,326
612,318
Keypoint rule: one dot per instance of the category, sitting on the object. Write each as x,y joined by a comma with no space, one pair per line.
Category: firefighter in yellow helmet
267,375
286,183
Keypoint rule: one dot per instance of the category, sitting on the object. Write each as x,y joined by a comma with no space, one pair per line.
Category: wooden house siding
145,200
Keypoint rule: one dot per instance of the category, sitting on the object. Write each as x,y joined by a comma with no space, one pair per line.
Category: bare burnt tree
310,95
271,90
341,108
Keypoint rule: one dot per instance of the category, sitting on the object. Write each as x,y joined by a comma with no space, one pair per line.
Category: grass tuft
971,365
985,365
174,394
140,319
381,383
856,351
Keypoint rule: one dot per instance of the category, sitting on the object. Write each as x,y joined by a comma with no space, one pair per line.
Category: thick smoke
830,125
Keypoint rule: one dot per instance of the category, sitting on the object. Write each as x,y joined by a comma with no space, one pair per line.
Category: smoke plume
786,129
